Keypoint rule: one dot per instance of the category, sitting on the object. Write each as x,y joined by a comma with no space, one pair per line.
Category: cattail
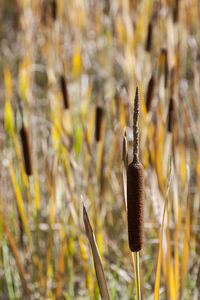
26,150
54,9
106,9
166,68
21,228
99,119
171,114
65,93
150,92
172,80
149,37
49,11
135,189
166,65
176,11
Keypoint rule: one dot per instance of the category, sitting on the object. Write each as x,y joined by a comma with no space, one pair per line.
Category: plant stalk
136,262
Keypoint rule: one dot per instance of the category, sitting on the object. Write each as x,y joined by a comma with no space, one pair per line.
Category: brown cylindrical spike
21,228
54,9
164,52
135,202
25,138
166,68
176,11
99,119
65,93
149,37
171,114
150,93
135,189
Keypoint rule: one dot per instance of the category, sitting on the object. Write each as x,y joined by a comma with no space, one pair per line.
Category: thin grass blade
15,254
157,283
96,257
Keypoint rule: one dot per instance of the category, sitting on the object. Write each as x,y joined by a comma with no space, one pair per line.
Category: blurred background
68,74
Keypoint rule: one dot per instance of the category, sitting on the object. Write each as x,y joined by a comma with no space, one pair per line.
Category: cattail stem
136,263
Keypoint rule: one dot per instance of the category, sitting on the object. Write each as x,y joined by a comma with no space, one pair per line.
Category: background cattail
149,36
99,119
150,92
135,189
171,114
25,138
54,9
65,93
164,53
21,228
176,11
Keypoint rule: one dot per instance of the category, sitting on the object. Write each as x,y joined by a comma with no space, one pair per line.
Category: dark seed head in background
54,9
171,114
149,36
176,11
25,138
164,52
64,89
150,92
99,119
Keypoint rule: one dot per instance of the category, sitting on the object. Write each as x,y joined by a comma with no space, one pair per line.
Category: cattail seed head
54,9
176,11
99,119
164,52
166,68
25,138
135,189
171,114
135,203
21,228
64,90
150,93
149,36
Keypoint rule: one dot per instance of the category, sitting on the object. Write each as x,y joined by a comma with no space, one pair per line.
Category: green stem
136,260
